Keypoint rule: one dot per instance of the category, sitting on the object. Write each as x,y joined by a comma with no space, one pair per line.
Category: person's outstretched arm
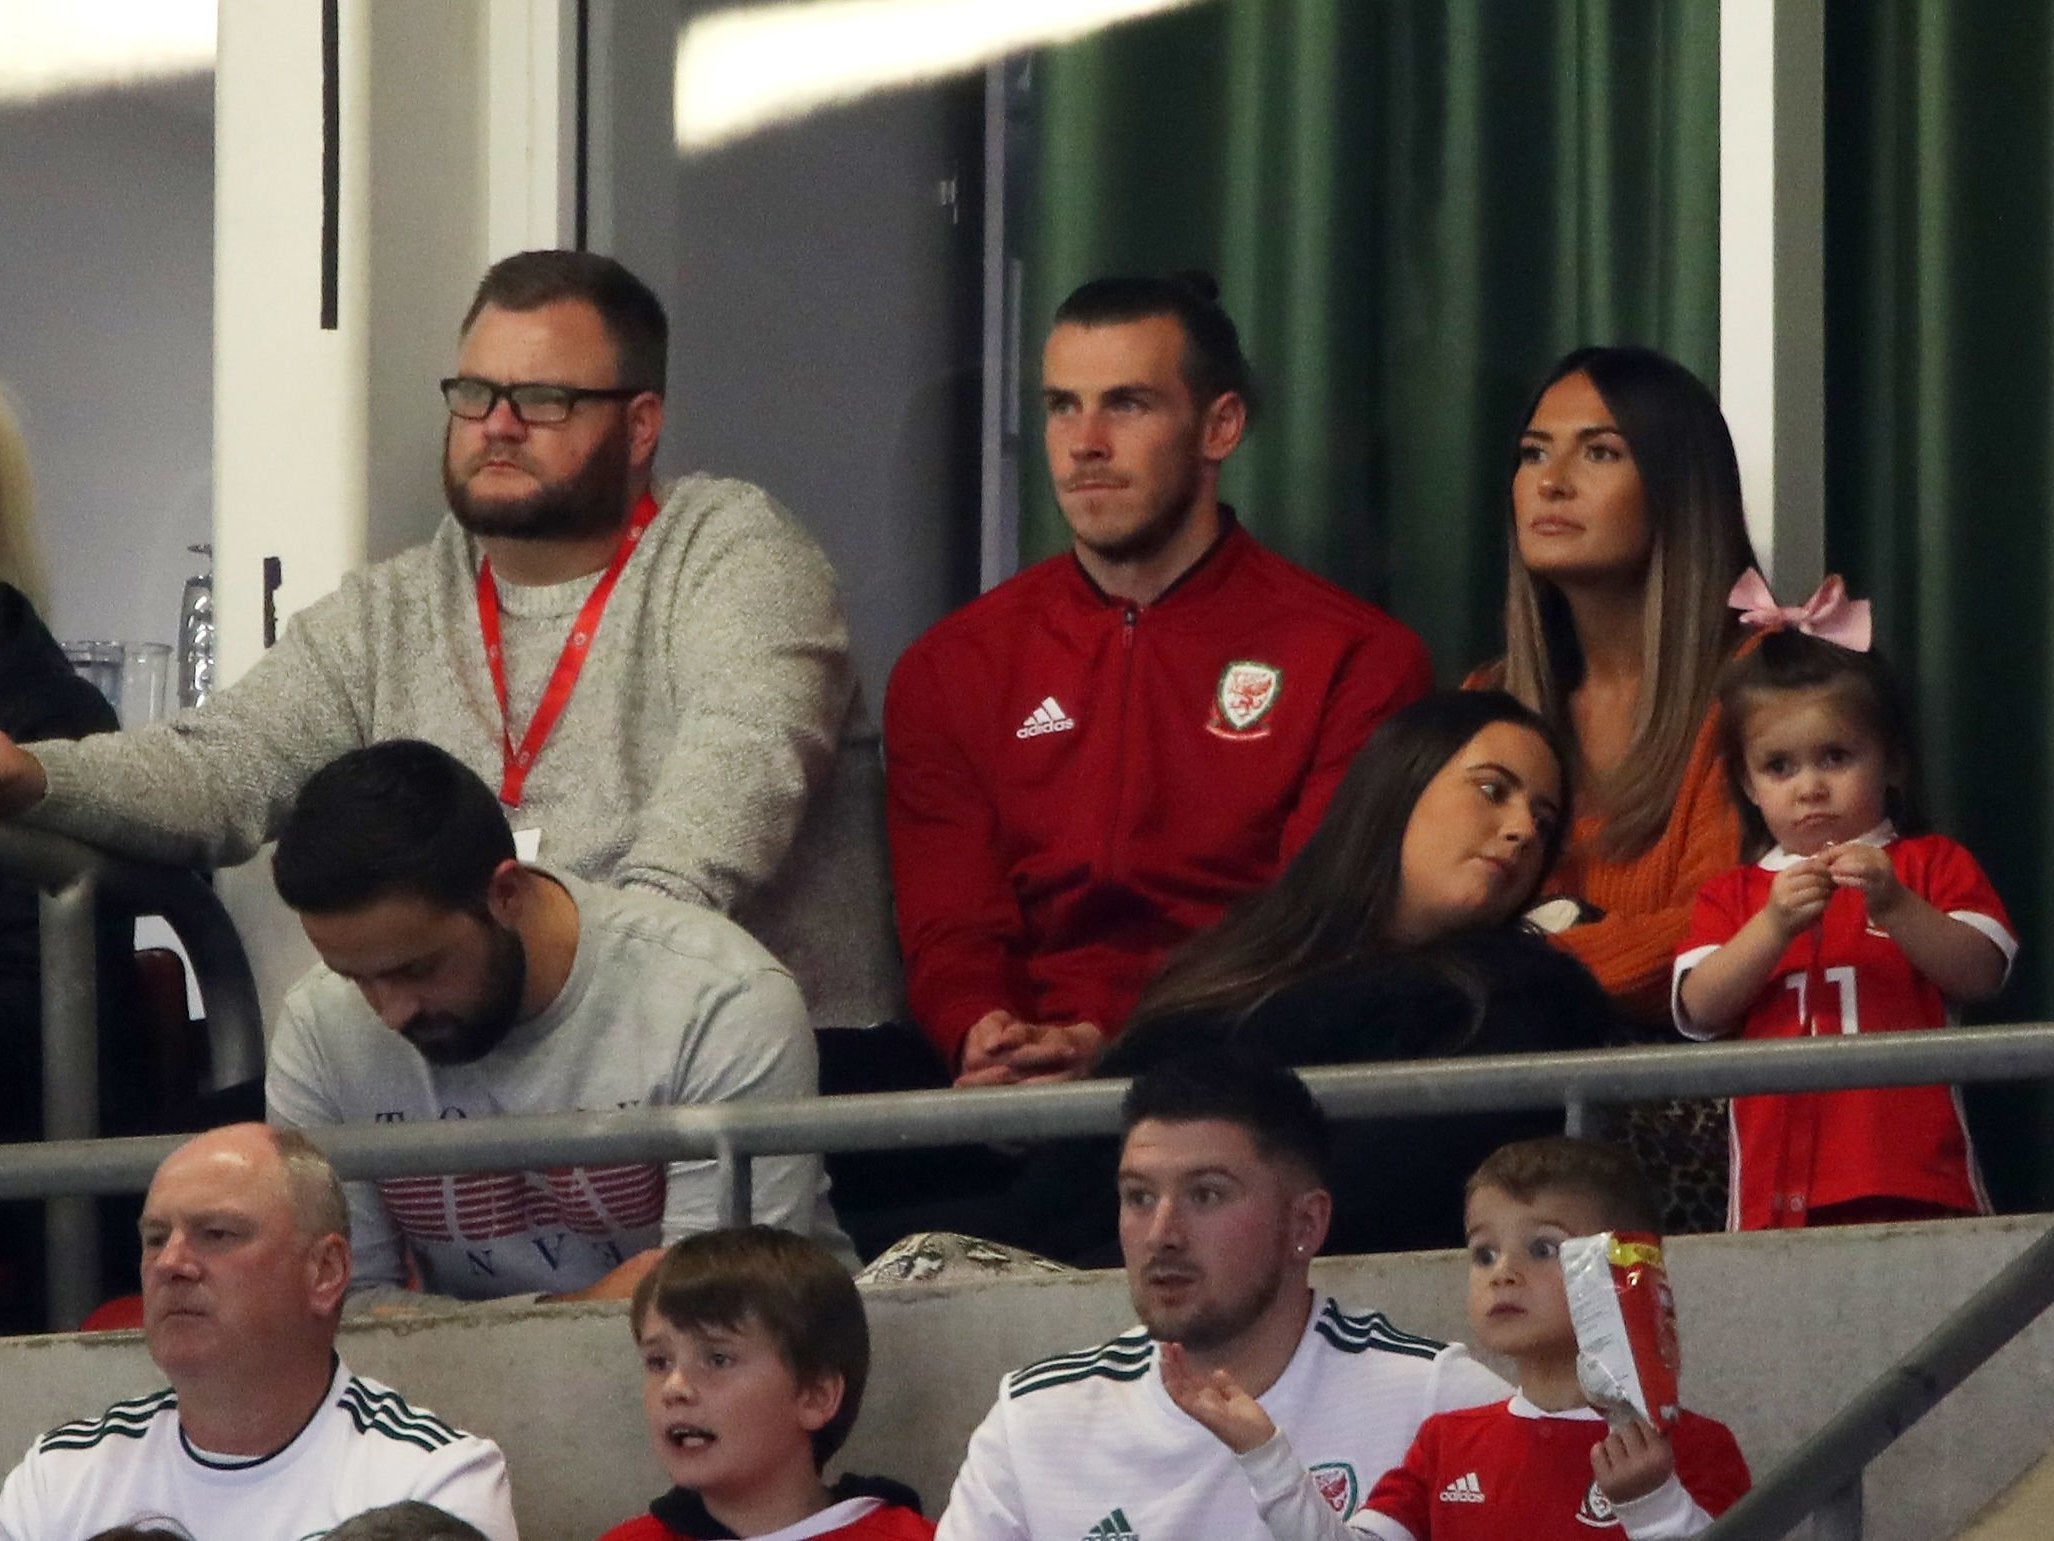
210,785
1286,1496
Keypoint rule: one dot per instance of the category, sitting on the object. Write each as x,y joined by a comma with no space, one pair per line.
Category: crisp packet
1627,1355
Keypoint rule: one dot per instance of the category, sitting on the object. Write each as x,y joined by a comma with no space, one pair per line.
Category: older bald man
263,1430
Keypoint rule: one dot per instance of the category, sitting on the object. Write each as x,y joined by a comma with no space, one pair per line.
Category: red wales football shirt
1511,1469
1794,1153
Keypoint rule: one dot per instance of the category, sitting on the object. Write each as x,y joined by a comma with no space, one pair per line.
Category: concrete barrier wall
1778,1331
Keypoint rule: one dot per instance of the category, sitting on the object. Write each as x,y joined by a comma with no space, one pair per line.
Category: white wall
329,439
106,343
329,444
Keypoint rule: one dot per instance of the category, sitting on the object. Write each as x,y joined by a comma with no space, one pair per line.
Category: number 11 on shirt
1842,980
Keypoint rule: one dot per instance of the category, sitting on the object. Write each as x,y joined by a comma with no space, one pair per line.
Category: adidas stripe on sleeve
364,1447
1087,1446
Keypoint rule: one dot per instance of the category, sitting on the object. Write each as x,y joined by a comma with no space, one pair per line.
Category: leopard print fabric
1681,1143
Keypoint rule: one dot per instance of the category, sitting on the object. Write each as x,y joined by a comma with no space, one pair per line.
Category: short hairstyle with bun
1213,363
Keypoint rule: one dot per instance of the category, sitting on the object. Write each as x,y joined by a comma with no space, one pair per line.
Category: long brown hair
1337,903
1690,482
21,552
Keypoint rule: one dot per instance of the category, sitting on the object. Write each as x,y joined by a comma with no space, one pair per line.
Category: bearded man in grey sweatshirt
656,681
458,982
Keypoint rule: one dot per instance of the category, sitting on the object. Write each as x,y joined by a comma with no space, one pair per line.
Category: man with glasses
656,681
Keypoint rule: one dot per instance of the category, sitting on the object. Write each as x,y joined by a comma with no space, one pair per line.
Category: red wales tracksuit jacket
1075,784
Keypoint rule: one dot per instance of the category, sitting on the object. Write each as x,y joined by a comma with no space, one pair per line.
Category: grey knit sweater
715,748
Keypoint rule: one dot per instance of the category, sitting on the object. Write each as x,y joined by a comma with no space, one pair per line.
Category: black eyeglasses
532,402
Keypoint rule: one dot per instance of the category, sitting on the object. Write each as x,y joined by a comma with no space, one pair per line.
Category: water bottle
196,634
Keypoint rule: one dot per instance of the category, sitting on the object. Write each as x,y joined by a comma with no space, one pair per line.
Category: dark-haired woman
1394,934
1627,536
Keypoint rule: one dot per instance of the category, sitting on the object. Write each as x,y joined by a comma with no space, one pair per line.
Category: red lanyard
564,678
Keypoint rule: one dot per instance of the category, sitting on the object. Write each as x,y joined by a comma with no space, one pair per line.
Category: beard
453,1038
590,501
1204,1327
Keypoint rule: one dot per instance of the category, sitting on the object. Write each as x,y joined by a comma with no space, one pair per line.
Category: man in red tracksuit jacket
1090,762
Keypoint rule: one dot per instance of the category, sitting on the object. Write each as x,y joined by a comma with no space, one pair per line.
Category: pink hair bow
1828,615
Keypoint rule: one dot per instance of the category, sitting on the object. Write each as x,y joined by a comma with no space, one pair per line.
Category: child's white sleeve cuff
1685,962
1669,1513
1291,1504
1991,927
1272,1469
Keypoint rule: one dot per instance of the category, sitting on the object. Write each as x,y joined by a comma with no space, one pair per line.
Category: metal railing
734,1133
72,878
1823,1477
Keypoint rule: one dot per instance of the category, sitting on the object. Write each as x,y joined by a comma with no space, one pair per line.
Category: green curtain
1940,438
1413,207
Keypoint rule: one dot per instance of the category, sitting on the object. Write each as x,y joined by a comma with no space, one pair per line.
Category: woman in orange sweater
1627,538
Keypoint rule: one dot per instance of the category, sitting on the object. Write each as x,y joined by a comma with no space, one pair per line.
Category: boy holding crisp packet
1545,1464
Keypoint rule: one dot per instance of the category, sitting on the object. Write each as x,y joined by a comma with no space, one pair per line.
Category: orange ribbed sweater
1647,899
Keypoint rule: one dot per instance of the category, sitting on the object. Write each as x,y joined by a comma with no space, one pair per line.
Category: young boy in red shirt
1543,1465
754,1354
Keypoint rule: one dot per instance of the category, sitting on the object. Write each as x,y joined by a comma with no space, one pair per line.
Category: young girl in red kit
1840,925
